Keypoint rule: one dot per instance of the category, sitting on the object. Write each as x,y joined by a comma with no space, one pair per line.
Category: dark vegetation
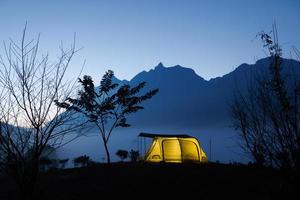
122,154
48,164
267,116
135,180
31,125
81,161
134,155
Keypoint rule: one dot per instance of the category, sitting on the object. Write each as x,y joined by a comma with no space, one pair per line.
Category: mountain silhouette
185,99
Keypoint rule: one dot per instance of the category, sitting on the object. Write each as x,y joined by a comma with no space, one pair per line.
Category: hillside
129,180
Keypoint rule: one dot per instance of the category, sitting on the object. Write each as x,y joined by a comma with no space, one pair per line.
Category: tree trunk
107,152
28,182
26,188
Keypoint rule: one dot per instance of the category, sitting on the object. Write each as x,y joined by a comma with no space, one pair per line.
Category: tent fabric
175,149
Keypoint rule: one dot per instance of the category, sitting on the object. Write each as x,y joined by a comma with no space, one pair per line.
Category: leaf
137,89
122,123
106,83
62,104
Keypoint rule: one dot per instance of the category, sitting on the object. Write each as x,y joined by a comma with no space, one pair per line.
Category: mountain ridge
186,99
160,66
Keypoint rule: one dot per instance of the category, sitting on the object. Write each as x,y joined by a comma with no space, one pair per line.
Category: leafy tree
81,160
134,155
108,105
123,154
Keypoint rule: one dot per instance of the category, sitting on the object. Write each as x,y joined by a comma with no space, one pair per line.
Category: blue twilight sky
212,37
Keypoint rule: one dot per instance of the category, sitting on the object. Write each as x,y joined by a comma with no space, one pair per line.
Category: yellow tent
174,148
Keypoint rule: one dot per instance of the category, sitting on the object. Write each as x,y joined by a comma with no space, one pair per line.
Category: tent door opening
171,150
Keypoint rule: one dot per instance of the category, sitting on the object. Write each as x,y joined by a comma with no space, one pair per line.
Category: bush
63,162
81,161
123,154
134,155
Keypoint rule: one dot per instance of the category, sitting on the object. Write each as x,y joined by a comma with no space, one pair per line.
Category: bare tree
29,119
267,115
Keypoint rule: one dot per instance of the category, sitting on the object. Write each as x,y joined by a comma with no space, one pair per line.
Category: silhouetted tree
108,105
29,119
134,155
123,154
81,160
267,116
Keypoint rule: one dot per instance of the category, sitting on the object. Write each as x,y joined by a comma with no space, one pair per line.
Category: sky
212,37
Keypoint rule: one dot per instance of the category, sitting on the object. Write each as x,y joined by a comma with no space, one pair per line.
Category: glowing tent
173,148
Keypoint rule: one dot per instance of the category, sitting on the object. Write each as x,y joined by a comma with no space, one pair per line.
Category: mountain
185,99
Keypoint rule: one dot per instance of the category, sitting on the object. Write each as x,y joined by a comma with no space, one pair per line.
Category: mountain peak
160,65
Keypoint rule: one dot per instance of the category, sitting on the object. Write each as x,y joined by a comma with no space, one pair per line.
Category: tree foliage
134,155
123,154
81,160
108,105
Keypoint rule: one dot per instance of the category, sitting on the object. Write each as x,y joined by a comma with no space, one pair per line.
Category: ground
140,180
